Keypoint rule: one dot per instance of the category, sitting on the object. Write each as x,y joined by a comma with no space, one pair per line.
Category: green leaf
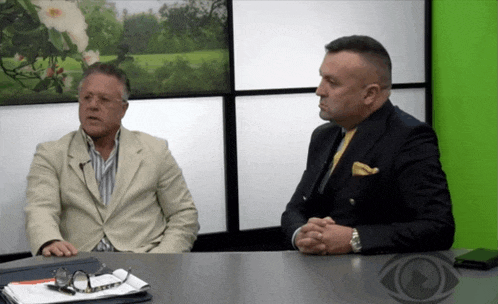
76,56
30,8
42,85
56,39
58,88
24,3
7,11
72,47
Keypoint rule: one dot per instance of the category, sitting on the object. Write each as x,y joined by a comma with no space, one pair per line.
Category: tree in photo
40,34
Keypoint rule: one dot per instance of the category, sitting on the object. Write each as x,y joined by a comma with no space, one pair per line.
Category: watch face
356,246
355,242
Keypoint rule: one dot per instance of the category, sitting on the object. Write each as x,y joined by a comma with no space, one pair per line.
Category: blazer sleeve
300,208
295,214
43,207
423,197
178,207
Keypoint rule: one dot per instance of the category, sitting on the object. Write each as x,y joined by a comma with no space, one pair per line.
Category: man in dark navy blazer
387,192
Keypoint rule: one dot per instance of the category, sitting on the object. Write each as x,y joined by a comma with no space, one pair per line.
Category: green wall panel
465,113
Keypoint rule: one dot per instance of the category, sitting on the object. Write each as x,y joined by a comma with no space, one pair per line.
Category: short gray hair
110,70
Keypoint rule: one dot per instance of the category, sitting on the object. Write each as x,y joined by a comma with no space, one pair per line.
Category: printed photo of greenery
167,48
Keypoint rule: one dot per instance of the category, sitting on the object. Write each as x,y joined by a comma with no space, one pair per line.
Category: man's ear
125,108
372,92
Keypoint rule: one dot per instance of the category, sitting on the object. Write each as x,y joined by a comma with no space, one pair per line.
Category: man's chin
93,132
324,115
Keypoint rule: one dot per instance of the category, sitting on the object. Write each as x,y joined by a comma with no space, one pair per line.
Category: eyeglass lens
62,277
80,280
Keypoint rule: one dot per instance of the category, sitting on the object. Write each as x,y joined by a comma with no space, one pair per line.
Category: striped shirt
105,174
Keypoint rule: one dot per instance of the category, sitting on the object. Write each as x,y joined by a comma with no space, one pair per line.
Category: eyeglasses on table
80,281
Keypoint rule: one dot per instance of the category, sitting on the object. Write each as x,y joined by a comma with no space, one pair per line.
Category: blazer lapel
79,161
323,159
129,160
367,134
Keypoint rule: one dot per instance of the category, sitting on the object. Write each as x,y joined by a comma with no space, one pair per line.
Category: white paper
41,294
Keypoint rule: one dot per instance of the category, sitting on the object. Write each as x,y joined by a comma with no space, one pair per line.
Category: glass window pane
273,135
280,44
194,131
411,101
21,129
193,128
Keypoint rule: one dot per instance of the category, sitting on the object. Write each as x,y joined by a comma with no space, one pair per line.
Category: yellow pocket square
360,169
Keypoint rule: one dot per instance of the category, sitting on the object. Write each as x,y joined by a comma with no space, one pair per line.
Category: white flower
64,16
80,38
91,57
61,15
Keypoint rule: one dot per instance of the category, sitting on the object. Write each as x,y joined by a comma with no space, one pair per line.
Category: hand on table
59,248
324,236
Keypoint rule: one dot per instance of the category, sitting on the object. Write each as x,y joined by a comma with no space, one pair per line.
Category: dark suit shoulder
409,138
324,130
404,124
326,127
407,119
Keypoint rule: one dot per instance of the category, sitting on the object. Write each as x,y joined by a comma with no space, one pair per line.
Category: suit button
305,198
352,201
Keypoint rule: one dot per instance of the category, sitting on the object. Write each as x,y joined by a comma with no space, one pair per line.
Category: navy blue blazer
405,207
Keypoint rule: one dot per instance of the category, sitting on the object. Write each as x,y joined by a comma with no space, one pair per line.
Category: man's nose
93,102
320,90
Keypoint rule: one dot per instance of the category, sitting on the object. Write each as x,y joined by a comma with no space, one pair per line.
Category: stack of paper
37,292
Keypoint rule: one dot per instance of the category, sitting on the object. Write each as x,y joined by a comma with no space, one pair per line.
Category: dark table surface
291,277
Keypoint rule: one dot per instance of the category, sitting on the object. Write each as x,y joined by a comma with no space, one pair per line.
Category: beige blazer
151,209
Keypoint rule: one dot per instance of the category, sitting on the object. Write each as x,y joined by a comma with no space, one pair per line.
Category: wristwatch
355,241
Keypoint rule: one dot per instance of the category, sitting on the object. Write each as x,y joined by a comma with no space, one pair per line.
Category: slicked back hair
370,49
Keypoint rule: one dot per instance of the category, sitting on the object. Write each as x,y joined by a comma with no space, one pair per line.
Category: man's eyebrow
326,76
329,77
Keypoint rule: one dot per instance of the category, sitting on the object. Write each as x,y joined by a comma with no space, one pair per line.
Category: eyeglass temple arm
127,275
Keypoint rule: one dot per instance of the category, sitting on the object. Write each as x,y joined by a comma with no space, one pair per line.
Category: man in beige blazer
105,188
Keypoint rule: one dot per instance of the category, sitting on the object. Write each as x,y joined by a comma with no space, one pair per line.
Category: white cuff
294,238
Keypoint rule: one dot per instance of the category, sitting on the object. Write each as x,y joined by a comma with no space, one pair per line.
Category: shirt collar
91,144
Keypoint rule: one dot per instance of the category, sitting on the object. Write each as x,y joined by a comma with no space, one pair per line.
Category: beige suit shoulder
150,141
59,144
56,150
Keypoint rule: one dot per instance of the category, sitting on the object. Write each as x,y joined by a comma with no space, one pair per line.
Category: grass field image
165,47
